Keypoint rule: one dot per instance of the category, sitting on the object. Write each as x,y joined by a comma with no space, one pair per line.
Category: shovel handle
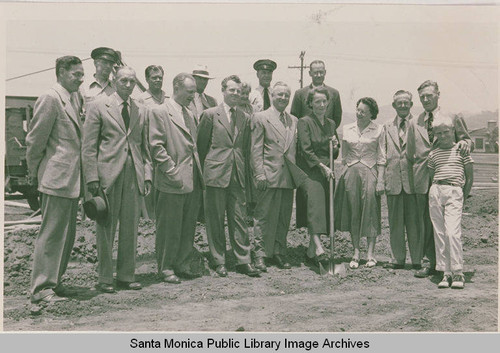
332,230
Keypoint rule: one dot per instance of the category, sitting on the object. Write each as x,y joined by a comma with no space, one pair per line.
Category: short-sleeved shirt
448,164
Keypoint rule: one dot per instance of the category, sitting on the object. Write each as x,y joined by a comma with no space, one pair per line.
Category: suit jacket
314,145
301,109
418,147
106,142
173,150
398,173
219,150
206,102
54,144
271,144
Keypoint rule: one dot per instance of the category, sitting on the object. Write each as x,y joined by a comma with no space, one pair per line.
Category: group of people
243,157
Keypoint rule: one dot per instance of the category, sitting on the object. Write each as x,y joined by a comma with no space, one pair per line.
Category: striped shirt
448,164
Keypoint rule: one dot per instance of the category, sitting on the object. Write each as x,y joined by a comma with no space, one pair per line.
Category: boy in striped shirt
452,177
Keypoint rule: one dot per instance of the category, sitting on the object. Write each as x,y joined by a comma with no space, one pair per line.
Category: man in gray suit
223,143
274,141
116,158
178,179
401,199
54,164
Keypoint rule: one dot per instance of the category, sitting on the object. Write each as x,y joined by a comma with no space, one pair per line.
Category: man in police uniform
260,97
104,60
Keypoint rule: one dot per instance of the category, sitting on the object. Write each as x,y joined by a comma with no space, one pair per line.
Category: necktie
430,131
402,132
232,121
125,115
267,103
283,120
188,121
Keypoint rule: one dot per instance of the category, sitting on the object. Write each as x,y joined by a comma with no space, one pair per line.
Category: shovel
333,268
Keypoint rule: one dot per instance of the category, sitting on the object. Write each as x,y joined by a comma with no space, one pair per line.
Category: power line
36,72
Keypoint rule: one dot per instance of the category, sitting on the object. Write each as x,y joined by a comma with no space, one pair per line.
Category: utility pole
301,67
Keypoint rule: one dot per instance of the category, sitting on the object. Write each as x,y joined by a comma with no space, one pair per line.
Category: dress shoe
187,275
51,298
392,266
63,291
128,285
248,269
221,271
281,263
172,279
425,272
260,265
105,288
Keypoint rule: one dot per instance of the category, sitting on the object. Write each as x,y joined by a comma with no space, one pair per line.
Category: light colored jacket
173,150
271,144
106,142
367,148
398,173
54,144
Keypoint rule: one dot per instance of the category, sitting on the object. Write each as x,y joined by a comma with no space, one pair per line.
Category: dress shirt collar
120,100
311,86
398,119
434,113
227,110
369,127
96,83
176,105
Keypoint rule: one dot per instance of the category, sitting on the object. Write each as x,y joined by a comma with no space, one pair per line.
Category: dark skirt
316,193
357,206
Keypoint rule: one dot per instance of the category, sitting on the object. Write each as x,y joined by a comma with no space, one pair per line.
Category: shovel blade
333,269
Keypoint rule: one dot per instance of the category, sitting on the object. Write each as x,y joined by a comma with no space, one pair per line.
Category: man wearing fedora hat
105,59
54,164
201,101
261,97
116,158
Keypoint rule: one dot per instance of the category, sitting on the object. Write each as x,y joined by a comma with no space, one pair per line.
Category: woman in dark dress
314,134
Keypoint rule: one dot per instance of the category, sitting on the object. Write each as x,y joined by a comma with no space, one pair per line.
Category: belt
444,182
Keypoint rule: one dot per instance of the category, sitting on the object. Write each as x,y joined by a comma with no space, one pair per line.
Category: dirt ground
365,300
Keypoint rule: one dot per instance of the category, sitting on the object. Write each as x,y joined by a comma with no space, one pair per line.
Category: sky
368,50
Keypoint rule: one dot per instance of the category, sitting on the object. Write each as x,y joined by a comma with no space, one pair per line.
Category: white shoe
445,282
458,282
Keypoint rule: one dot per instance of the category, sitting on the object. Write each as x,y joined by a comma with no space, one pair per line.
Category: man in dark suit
201,100
420,141
223,143
178,179
54,165
300,108
116,158
274,141
401,199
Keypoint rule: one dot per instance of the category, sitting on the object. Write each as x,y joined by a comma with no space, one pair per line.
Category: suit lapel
394,133
289,131
115,113
240,122
68,108
223,119
134,115
421,128
178,120
204,101
276,123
